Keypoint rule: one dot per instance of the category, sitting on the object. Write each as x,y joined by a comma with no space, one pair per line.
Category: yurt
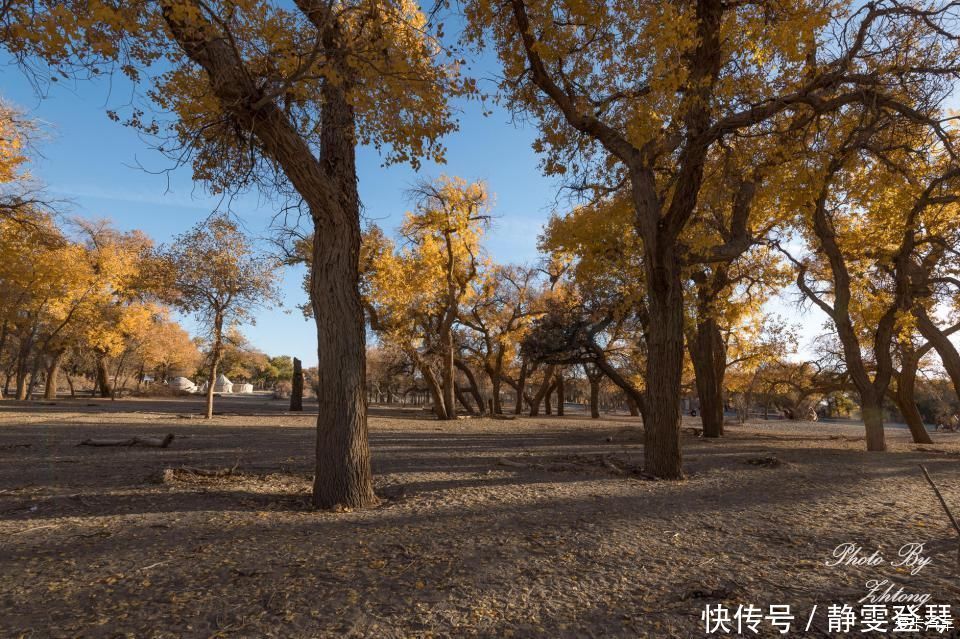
246,388
223,384
182,384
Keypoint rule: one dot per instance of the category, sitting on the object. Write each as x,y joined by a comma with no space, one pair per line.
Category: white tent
223,384
246,388
183,384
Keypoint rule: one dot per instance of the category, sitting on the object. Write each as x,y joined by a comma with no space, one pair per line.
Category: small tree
214,272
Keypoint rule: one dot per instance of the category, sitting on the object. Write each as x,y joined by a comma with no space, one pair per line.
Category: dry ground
554,543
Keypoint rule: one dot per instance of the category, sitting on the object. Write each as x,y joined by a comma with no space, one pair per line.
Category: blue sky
102,169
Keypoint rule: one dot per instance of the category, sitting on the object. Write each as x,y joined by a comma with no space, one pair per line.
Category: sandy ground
562,540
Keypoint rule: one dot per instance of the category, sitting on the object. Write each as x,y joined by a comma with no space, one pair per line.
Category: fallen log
154,442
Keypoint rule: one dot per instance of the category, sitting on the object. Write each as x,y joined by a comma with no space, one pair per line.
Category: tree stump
296,394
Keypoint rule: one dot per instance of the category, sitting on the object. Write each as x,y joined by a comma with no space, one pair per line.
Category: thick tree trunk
872,413
53,374
661,450
632,407
328,185
296,392
906,402
343,471
709,357
547,403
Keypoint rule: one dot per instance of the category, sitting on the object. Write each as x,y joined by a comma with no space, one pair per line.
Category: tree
637,96
277,95
213,272
415,294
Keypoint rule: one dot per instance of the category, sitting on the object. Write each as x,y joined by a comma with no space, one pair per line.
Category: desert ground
533,527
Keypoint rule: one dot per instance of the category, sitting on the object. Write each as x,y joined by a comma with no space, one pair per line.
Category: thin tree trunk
561,394
214,363
448,382
521,386
53,373
296,392
708,355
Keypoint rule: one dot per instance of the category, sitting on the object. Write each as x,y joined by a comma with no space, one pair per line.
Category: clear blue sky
102,169
94,164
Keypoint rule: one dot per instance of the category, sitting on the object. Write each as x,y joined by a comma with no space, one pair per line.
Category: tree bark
296,392
53,374
906,402
709,358
665,347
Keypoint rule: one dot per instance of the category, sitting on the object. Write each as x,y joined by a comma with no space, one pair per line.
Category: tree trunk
53,373
495,383
521,387
872,412
561,394
547,408
661,450
542,391
906,402
462,398
296,392
942,344
594,397
474,388
328,185
214,363
447,376
632,407
708,354
103,381
343,474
